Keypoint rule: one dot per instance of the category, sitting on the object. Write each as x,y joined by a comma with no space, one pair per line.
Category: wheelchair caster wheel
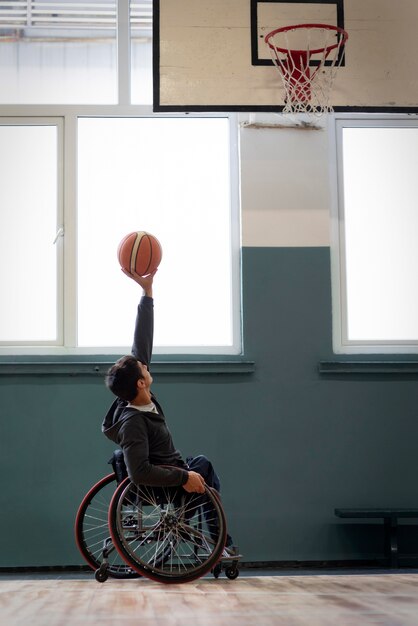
101,575
217,570
232,573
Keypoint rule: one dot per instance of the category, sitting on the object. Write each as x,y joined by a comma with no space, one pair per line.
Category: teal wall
290,444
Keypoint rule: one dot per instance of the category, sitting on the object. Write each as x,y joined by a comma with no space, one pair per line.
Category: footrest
229,563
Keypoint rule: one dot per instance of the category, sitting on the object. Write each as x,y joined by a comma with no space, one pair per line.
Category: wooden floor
291,600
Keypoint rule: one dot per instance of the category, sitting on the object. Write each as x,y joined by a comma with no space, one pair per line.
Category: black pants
204,467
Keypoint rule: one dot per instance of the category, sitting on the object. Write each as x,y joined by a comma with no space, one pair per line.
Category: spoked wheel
92,532
165,533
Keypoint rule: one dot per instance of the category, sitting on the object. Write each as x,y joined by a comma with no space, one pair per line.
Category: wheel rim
163,534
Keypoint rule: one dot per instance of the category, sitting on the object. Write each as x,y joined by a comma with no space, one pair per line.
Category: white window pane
169,177
141,52
28,224
58,52
141,71
381,223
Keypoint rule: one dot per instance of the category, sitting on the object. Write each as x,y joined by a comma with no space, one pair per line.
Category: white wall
284,185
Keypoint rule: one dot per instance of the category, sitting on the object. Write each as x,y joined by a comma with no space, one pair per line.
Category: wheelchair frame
162,533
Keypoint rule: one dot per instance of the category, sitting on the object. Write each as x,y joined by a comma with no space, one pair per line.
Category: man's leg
204,467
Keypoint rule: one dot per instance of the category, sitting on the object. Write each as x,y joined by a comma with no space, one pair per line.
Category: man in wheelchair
136,420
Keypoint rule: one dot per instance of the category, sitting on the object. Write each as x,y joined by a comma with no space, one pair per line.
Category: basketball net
306,56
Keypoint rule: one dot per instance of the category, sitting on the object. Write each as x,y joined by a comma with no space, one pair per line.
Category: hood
118,415
112,421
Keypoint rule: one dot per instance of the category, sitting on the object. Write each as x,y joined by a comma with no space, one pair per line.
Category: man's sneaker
230,551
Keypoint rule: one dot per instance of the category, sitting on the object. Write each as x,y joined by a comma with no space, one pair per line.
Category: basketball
139,252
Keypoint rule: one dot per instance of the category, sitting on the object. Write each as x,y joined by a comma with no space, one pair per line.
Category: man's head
126,377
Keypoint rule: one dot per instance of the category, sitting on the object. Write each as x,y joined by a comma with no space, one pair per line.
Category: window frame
57,122
67,163
341,343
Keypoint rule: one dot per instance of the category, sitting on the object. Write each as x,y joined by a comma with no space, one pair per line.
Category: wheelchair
161,533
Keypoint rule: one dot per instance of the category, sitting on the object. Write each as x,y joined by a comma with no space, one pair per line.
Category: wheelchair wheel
166,534
92,531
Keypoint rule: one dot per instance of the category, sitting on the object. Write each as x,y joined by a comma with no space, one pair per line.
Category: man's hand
195,483
144,281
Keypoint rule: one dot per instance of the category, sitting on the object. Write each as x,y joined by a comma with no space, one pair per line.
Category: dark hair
122,377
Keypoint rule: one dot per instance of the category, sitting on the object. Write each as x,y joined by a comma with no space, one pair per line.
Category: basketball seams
150,253
141,239
135,251
139,252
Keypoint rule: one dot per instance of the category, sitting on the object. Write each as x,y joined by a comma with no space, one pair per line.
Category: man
136,421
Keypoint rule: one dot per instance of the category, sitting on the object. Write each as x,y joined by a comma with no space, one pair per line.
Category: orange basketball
139,252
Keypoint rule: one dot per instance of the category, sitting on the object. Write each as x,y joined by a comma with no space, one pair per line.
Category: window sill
99,368
338,368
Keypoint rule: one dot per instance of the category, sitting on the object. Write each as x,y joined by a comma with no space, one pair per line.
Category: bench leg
391,541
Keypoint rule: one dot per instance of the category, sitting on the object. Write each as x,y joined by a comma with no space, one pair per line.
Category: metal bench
390,518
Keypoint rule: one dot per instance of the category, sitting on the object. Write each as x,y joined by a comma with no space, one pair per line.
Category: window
67,52
171,176
81,167
375,253
30,208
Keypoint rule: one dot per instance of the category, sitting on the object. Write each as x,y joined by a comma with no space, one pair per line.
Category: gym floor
272,597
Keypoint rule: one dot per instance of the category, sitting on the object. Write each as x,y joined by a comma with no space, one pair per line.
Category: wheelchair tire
92,531
172,540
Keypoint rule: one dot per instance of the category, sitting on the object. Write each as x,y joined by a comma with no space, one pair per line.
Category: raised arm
144,325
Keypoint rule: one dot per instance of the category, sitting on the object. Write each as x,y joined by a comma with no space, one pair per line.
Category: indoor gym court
305,394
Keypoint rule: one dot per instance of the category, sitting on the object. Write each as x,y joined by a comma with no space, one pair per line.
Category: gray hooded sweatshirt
144,437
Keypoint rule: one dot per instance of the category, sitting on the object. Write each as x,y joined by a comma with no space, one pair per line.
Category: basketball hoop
306,56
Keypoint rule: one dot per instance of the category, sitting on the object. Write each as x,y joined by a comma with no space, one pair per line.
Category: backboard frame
185,105
255,59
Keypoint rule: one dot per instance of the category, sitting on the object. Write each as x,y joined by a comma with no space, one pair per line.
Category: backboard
212,56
